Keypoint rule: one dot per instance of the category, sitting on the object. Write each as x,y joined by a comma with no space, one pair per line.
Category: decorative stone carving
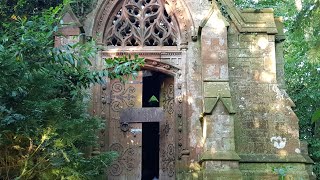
168,160
166,62
214,92
171,8
168,100
141,23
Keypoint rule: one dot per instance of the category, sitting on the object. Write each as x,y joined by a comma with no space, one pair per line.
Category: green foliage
26,7
45,128
82,7
32,7
122,67
302,55
281,172
316,116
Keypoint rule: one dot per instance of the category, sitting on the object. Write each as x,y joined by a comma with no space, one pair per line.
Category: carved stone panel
167,131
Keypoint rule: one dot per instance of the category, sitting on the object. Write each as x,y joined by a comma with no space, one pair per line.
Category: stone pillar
219,159
182,124
267,133
280,37
193,109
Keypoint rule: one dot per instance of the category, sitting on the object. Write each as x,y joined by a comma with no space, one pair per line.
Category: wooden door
126,139
167,129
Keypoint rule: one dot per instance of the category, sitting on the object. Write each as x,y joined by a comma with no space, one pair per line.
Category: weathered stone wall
266,127
279,41
218,157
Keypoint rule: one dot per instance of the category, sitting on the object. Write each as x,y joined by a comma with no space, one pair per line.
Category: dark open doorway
150,131
150,151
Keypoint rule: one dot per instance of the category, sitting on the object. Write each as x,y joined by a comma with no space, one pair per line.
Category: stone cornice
249,20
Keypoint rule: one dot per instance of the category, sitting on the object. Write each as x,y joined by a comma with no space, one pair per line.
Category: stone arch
153,60
177,9
155,65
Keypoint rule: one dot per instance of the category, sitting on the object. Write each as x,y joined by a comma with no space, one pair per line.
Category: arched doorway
143,119
136,129
141,127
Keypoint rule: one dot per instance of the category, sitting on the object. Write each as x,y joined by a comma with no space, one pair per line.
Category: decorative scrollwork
170,150
115,169
166,129
122,97
116,147
117,87
126,160
168,100
168,160
116,105
171,167
142,23
131,90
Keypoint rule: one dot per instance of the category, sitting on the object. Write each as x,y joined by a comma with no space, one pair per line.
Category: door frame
170,63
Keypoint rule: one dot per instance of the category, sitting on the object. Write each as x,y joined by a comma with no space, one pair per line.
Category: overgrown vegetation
302,55
31,7
45,128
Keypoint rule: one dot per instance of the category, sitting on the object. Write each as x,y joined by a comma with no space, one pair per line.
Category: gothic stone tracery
142,23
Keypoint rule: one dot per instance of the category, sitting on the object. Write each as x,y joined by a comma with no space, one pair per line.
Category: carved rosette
168,100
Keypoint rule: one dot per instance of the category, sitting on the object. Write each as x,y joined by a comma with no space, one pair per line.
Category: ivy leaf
1,47
316,116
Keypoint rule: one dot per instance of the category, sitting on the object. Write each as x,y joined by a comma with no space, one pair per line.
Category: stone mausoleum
210,101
